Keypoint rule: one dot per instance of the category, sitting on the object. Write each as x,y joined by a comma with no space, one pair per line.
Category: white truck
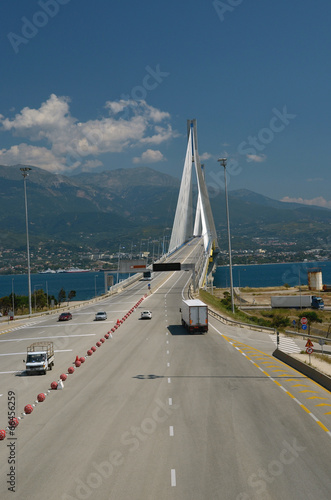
297,301
39,357
194,315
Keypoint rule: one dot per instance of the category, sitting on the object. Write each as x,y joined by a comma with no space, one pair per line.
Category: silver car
146,315
100,316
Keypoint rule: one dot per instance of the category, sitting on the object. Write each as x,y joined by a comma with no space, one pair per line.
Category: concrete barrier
301,367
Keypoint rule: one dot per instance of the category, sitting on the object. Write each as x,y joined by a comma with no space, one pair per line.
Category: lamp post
223,163
118,262
95,285
25,173
12,296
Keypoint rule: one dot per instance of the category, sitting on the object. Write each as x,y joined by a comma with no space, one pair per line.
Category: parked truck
297,301
40,357
194,315
326,288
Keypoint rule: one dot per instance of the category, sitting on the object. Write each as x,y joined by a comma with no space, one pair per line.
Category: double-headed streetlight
223,163
25,173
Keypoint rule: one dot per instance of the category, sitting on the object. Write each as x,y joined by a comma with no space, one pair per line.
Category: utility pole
223,163
25,173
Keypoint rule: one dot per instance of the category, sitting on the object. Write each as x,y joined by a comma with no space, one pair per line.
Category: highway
158,414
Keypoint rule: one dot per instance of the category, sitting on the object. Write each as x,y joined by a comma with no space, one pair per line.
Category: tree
62,295
279,321
71,294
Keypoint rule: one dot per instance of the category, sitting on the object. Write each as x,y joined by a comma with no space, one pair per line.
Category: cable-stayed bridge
194,222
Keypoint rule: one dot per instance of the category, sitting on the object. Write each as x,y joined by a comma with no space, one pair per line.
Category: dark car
65,316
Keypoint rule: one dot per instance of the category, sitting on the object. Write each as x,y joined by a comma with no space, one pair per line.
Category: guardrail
305,335
229,321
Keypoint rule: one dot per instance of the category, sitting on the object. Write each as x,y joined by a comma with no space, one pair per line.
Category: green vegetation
40,302
270,319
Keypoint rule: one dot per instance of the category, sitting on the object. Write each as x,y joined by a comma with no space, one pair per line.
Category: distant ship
75,270
70,270
48,271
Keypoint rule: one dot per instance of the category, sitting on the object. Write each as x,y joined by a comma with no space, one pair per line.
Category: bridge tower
183,228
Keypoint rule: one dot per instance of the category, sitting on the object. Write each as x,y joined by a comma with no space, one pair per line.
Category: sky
96,85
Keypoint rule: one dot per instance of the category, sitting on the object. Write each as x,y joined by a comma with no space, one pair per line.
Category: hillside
97,210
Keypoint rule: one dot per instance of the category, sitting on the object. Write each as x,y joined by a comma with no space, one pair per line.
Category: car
100,315
146,315
65,316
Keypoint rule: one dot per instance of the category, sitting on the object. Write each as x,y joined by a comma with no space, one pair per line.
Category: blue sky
90,86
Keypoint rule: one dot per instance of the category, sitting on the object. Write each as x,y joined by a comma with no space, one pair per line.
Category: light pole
95,285
118,262
223,163
12,296
25,173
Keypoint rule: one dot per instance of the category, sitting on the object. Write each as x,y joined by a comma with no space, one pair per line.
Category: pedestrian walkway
285,344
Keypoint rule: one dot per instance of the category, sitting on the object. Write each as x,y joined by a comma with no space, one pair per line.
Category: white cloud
256,158
162,135
205,156
149,156
319,201
66,142
31,155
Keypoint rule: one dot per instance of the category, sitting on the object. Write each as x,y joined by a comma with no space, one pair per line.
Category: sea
90,284
264,275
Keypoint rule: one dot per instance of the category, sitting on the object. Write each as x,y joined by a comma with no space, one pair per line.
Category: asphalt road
158,414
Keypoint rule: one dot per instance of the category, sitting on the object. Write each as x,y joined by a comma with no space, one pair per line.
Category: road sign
309,343
309,350
321,341
303,321
304,327
167,266
294,322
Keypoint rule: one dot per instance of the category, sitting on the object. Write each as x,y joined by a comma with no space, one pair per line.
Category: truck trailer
40,357
194,316
297,301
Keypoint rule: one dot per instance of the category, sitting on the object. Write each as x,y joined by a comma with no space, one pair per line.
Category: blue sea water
89,284
263,275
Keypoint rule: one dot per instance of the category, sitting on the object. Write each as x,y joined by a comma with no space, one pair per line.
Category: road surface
158,414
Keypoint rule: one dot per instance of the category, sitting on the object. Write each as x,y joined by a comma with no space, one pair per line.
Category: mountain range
97,210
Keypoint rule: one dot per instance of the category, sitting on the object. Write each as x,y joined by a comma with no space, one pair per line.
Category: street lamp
95,285
12,296
223,163
25,173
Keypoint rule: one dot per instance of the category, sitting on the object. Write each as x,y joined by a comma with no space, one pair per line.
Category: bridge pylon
204,226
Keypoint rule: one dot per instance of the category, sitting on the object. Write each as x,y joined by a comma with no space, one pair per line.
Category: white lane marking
169,380
20,353
170,401
167,342
171,430
168,364
167,352
53,337
15,371
173,477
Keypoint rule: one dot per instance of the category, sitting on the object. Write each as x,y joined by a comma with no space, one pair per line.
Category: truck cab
39,357
317,302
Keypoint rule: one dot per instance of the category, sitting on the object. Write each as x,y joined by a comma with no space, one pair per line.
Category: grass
214,302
